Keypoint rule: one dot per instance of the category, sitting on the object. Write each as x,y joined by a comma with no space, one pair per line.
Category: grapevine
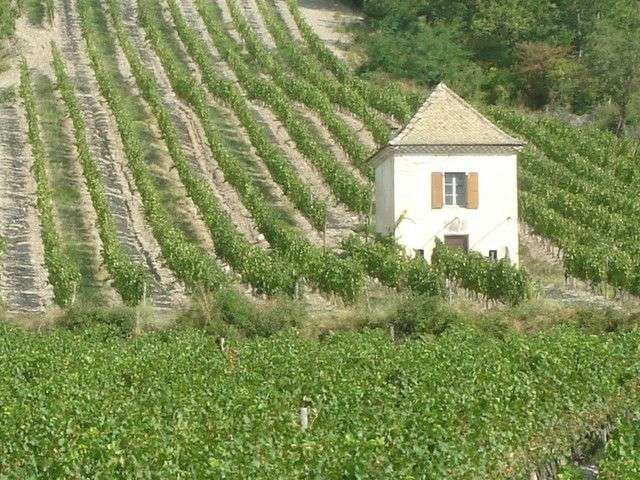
63,273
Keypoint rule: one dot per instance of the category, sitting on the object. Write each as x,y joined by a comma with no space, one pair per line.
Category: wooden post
304,418
392,333
221,341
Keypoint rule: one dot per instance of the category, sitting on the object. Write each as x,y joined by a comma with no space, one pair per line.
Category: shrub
421,314
79,318
231,314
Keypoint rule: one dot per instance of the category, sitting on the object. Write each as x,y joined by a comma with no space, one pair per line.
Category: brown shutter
436,190
472,190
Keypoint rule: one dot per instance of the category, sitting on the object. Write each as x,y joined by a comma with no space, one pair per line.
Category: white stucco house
449,174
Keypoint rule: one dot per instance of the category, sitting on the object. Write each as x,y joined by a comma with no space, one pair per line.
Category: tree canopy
576,54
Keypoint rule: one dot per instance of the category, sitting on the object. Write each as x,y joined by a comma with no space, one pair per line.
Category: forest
573,56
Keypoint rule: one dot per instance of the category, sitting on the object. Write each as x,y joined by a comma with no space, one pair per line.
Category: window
493,255
455,189
419,253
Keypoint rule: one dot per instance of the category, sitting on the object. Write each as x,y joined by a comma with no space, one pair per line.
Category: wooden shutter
472,190
436,190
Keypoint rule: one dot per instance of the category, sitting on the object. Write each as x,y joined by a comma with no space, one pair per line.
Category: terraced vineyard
154,148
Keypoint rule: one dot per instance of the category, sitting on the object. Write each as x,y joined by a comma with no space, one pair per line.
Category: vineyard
170,404
166,157
173,147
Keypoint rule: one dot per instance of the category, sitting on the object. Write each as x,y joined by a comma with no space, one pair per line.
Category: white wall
384,198
493,226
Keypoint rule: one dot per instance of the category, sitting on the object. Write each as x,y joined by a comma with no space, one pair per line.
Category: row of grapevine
559,176
274,158
192,264
63,273
8,13
298,89
560,146
389,99
467,405
385,260
129,279
496,280
308,67
345,186
585,254
620,458
617,227
589,213
325,269
602,149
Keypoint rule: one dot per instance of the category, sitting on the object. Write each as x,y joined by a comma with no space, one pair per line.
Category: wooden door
457,241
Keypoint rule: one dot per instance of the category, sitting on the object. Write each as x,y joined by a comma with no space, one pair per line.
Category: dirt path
256,21
164,290
329,19
23,277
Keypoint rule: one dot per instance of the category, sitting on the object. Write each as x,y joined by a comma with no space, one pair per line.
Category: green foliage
129,279
614,57
621,456
64,275
591,211
171,405
424,315
122,320
385,260
231,314
494,280
8,13
571,53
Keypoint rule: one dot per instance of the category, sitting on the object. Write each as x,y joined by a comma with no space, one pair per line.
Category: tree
613,57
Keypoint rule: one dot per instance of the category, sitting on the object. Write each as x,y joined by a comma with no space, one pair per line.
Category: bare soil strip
285,14
257,23
23,278
329,18
164,290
